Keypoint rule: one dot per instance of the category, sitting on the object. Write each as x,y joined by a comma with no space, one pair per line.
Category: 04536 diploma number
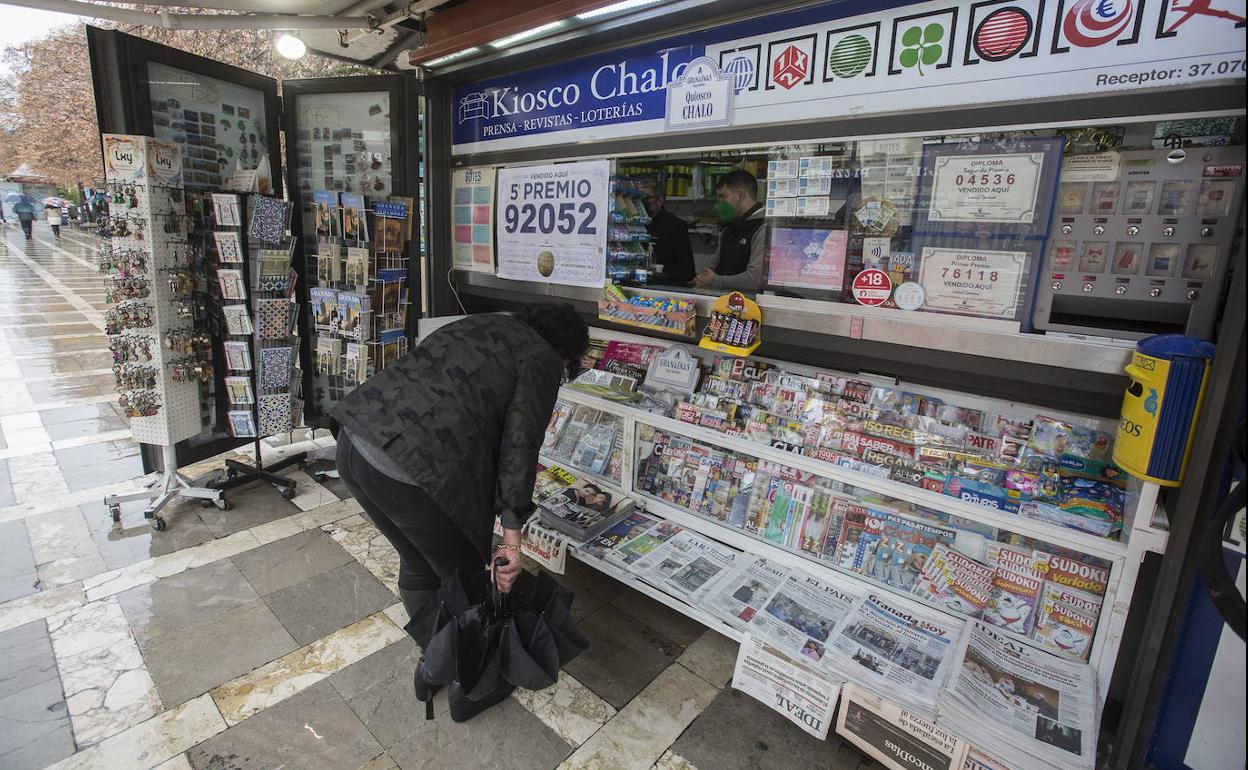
544,218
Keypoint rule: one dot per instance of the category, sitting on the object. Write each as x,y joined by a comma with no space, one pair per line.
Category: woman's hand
505,574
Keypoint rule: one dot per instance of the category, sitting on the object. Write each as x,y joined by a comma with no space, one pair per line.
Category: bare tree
47,103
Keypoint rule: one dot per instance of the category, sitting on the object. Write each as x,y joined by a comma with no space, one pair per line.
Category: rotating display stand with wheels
150,245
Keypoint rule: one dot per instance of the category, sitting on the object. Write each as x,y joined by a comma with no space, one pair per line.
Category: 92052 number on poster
544,218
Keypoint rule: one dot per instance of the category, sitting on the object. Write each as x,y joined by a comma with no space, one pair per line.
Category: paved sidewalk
269,635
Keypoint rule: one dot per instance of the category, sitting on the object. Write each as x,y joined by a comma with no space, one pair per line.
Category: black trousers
28,226
431,547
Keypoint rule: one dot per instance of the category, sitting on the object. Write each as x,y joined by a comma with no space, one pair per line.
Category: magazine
684,564
897,738
955,582
897,648
628,358
582,510
593,451
1015,598
631,526
889,547
558,416
629,552
741,592
1036,710
1066,620
544,545
799,616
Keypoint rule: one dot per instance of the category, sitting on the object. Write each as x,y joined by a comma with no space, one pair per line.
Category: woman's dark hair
559,324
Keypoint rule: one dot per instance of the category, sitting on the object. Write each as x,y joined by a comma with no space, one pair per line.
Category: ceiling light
625,5
451,56
290,46
503,42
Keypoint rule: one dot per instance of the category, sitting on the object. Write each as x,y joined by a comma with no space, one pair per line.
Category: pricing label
872,287
552,223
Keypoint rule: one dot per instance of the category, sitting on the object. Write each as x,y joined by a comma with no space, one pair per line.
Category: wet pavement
269,635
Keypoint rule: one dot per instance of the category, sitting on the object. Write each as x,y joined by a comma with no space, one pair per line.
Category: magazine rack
1123,554
150,243
256,329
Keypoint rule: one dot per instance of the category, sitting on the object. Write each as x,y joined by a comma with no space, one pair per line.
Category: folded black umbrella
484,643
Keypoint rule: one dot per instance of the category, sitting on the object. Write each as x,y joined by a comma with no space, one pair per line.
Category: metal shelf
994,340
1111,550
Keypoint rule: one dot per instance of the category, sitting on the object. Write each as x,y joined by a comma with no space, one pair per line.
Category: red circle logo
872,287
1002,34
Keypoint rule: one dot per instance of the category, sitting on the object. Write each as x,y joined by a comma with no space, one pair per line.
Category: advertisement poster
973,282
552,223
897,738
124,156
807,258
798,693
986,188
472,218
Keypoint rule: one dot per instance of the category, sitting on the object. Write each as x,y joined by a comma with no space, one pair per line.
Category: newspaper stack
1035,710
799,617
684,564
740,593
897,648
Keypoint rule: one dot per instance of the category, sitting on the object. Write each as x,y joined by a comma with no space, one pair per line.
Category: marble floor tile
133,540
290,561
568,707
673,761
369,547
250,505
327,514
591,588
222,648
504,737
329,601
275,530
18,573
739,731
380,762
6,486
41,605
643,729
712,657
624,656
310,493
63,547
34,723
58,366
91,466
379,690
105,420
38,477
274,682
313,730
197,596
153,742
151,570
671,624
106,684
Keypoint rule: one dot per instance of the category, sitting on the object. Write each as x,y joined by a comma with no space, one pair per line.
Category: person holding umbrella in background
25,212
52,211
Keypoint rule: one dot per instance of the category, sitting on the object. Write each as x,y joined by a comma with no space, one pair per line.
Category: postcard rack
255,335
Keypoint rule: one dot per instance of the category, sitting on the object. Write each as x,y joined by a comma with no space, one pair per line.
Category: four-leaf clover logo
921,45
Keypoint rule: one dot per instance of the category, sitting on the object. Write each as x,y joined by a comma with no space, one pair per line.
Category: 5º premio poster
552,223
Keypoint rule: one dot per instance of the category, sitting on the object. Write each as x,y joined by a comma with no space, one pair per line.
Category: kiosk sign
552,223
701,97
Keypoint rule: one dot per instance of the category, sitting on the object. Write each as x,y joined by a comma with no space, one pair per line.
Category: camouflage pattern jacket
464,415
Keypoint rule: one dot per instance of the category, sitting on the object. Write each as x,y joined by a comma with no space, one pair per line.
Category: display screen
807,258
220,126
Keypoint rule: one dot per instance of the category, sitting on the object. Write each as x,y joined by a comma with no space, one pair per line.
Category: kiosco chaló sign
816,64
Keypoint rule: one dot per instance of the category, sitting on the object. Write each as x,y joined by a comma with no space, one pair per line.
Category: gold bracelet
508,547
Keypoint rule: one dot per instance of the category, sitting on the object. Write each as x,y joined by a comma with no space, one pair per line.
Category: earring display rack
254,318
149,245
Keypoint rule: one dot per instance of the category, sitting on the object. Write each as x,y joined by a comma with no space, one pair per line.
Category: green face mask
725,211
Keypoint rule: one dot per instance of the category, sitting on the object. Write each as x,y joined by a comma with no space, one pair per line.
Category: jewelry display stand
149,246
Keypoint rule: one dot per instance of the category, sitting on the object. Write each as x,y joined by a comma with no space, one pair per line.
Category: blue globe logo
742,71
